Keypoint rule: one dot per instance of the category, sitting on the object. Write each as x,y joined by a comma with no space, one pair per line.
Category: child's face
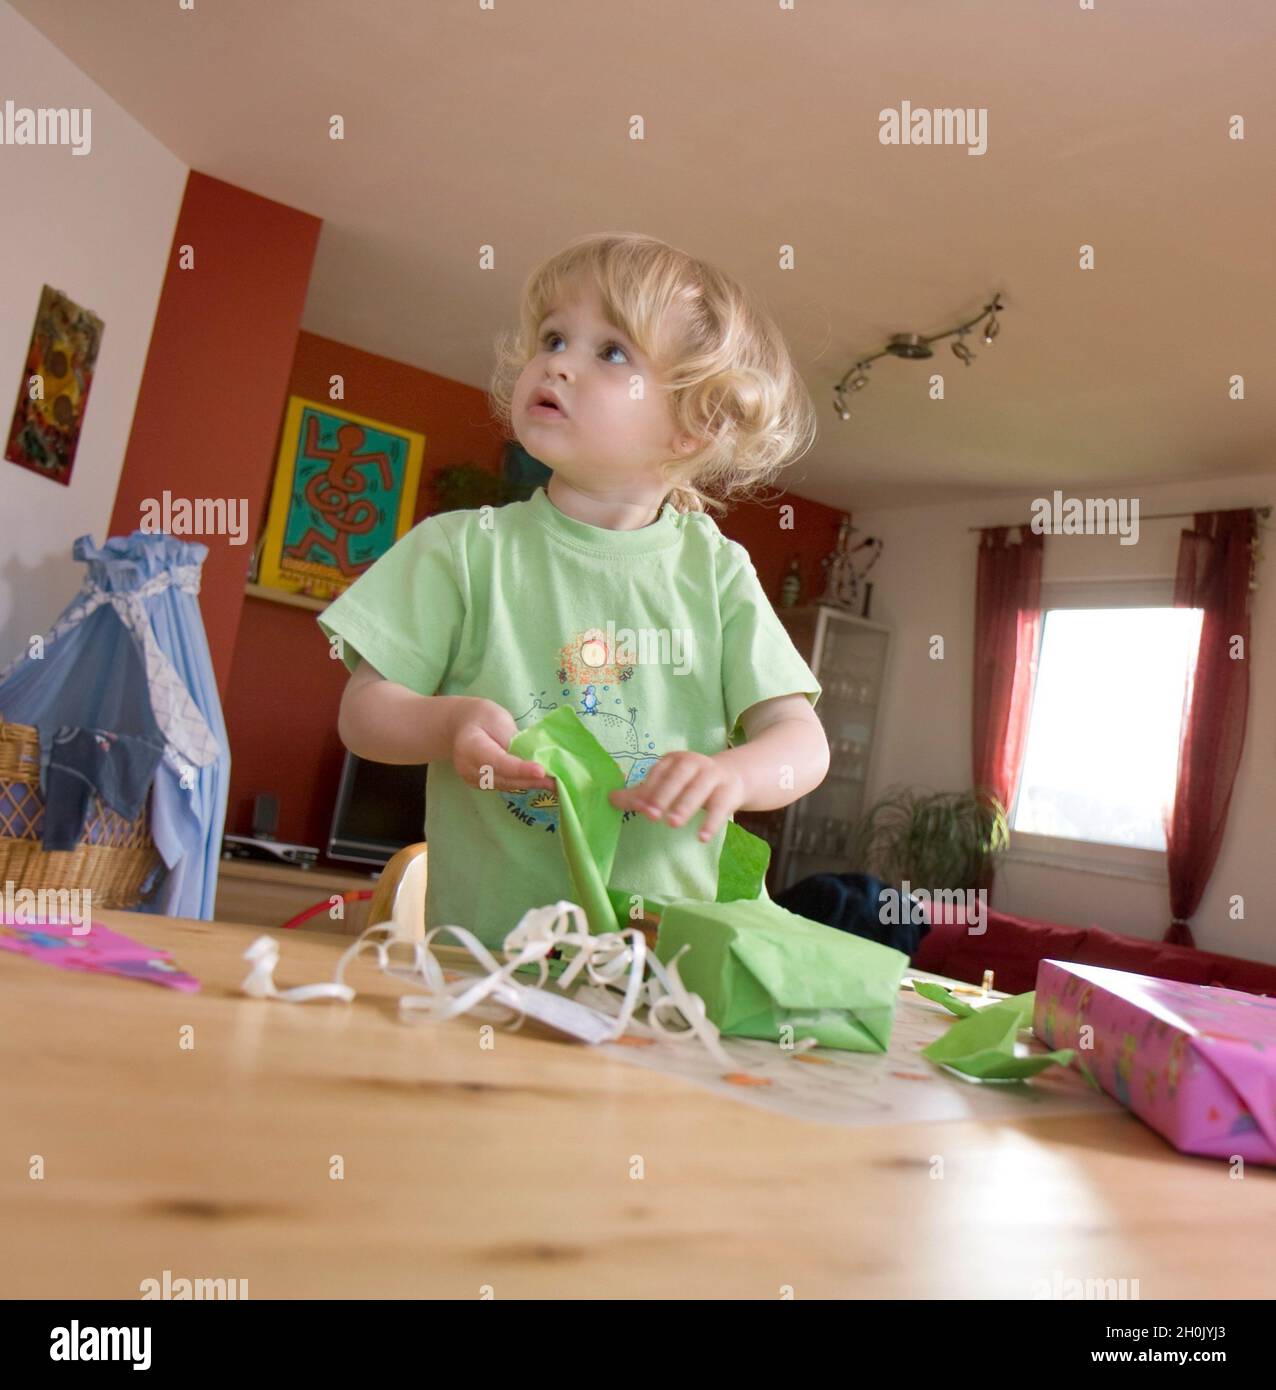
606,438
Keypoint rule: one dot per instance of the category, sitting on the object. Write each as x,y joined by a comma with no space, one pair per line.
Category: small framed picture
45,432
345,490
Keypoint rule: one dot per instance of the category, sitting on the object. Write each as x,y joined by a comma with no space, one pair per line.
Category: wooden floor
516,1169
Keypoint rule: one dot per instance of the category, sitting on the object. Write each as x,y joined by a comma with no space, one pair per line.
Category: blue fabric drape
130,654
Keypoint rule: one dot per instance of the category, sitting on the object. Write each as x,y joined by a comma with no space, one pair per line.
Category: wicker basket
114,856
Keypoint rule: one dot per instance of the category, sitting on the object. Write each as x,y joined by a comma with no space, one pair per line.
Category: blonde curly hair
731,381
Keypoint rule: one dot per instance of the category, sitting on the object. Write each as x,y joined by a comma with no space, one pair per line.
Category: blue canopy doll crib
126,666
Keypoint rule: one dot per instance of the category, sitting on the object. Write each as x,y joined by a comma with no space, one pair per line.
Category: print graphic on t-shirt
592,682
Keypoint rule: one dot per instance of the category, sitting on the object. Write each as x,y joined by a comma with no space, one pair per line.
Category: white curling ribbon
264,955
689,1005
368,942
538,932
609,959
607,964
606,957
663,993
560,924
424,969
450,999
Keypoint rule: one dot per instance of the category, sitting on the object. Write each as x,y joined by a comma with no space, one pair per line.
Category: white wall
97,227
925,584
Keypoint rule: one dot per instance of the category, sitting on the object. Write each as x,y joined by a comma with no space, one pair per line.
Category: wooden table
512,1167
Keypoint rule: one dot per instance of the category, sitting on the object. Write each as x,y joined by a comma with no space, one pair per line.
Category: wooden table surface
514,1167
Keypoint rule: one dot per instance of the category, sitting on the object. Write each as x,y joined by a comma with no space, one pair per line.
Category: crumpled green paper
981,1044
742,868
762,972
589,825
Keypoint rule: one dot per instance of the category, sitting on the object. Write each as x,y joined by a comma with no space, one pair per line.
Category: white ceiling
509,126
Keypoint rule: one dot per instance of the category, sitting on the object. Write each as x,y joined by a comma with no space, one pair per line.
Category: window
1103,734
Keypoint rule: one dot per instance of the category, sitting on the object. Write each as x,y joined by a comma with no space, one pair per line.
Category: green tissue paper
761,969
588,824
981,1044
763,972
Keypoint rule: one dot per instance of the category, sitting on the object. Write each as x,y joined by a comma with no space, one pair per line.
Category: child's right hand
479,741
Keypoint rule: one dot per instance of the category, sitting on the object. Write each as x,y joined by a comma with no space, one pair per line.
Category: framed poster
345,490
45,432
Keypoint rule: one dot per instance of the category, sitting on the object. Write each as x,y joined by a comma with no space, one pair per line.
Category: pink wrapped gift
1196,1063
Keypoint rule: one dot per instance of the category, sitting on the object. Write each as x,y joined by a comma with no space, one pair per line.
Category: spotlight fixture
961,351
916,347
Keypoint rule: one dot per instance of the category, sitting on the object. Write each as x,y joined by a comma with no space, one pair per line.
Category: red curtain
1215,568
1007,641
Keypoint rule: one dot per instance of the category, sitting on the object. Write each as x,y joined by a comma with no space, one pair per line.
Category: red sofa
1012,947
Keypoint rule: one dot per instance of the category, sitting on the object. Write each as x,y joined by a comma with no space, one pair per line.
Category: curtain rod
1155,516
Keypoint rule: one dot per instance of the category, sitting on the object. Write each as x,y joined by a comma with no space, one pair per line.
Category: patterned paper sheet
859,1088
832,1086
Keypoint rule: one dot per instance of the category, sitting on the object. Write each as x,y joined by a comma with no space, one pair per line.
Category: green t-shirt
659,638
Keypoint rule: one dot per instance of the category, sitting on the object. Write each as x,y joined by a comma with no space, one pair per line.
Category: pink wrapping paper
1196,1063
99,950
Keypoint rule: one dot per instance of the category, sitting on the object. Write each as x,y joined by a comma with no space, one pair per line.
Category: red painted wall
285,691
225,354
212,393
757,526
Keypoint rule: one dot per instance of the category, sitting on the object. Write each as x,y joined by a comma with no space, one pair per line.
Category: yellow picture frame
345,490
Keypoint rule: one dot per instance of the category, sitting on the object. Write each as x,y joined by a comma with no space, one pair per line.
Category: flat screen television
380,808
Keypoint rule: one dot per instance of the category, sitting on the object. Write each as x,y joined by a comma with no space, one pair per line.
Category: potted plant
465,486
932,840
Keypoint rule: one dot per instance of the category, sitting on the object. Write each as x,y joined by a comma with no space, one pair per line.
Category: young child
641,377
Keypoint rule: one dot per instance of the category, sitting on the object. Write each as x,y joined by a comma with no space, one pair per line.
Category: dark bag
852,903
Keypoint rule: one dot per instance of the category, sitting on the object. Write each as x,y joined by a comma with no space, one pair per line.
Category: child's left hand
679,785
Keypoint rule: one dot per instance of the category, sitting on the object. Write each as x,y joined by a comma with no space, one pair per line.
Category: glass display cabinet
848,656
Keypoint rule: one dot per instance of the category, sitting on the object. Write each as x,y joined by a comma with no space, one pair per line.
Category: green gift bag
762,972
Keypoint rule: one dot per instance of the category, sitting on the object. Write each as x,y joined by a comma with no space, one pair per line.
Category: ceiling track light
916,347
